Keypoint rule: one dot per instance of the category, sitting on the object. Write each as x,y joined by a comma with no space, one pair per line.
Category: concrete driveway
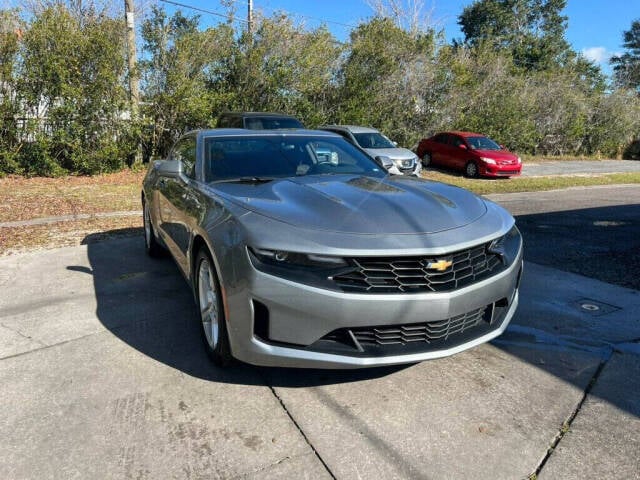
103,376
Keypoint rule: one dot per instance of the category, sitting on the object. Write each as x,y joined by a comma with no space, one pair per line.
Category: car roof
352,128
256,114
237,132
463,133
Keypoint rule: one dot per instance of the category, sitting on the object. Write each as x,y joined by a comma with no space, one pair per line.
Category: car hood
497,154
358,204
392,153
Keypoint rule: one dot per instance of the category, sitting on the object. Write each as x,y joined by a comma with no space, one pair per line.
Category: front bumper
510,170
300,315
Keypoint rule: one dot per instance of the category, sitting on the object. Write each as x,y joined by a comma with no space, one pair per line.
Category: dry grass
24,199
27,198
64,234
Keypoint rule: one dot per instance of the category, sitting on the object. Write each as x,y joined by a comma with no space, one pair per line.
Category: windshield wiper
247,180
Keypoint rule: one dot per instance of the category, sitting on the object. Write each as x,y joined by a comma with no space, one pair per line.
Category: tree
10,34
626,67
384,77
531,30
180,62
71,88
283,67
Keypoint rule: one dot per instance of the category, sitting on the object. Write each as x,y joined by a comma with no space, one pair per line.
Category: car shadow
147,304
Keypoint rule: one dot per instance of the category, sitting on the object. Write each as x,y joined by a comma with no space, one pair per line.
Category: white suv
405,162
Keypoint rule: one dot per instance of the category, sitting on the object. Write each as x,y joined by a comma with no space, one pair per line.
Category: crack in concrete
566,425
45,346
23,335
304,436
266,467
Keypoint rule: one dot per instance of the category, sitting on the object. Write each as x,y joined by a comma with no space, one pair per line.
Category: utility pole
249,17
134,92
134,89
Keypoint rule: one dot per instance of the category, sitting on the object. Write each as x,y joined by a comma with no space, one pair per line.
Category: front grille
419,332
411,338
418,274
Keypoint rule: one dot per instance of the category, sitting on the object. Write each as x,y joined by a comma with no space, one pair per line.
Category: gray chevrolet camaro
303,252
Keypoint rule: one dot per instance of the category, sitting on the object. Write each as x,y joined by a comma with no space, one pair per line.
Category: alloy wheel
209,303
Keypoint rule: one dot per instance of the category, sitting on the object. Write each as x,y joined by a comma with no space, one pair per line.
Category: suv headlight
401,162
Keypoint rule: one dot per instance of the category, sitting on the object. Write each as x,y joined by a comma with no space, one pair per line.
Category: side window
345,135
185,151
456,141
188,153
442,138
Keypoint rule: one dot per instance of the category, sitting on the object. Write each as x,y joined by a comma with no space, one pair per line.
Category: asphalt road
592,231
579,167
103,376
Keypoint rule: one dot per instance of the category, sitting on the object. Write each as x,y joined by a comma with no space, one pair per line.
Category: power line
235,19
314,18
204,10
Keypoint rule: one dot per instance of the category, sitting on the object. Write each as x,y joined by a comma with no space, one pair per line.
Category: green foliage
383,77
180,65
627,66
64,103
67,88
531,30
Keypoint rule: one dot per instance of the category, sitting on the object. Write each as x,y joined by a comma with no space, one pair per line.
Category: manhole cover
594,307
590,307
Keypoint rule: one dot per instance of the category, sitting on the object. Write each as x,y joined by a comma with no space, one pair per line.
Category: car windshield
271,123
266,157
482,143
373,140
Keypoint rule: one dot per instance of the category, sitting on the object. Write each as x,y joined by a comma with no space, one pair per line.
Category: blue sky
595,26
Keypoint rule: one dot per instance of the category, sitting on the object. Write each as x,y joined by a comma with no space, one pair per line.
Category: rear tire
151,244
426,159
471,170
211,310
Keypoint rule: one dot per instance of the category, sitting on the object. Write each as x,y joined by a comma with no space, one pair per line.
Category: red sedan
473,153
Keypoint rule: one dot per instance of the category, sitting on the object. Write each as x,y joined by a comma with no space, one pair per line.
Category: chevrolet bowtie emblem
440,265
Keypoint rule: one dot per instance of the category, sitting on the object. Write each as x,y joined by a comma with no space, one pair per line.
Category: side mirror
502,147
462,146
168,168
386,162
395,144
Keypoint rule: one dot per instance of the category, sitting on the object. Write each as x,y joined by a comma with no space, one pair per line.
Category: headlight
488,160
404,162
281,258
519,160
306,268
507,246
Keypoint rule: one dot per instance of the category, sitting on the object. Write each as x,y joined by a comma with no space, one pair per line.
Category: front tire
151,244
471,170
210,306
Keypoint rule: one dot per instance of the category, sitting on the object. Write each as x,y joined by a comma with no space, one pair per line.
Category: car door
458,151
439,149
176,200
